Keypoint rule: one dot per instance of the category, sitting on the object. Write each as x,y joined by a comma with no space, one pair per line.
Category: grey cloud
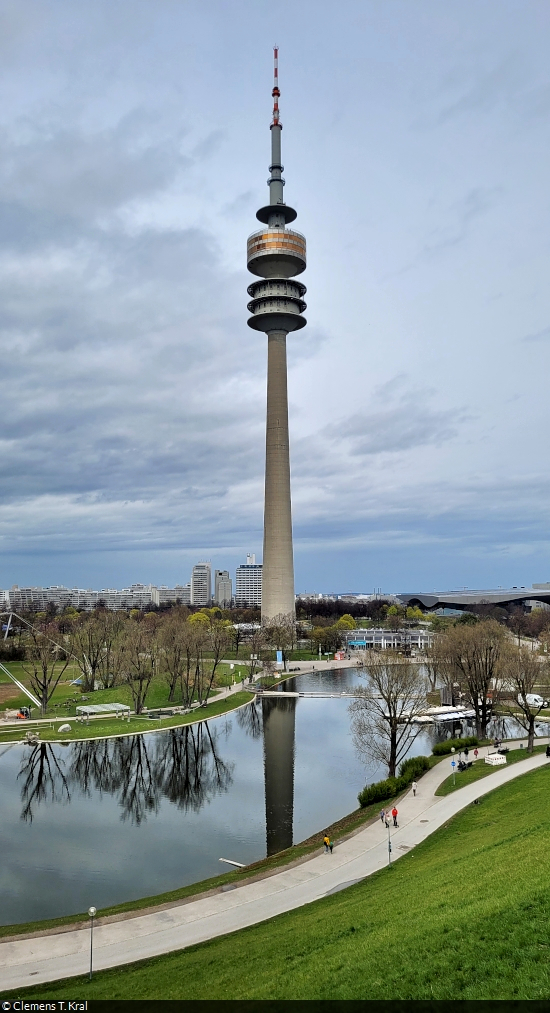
406,422
124,355
502,83
56,170
538,335
463,213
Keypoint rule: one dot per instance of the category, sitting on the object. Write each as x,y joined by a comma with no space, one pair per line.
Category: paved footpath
46,958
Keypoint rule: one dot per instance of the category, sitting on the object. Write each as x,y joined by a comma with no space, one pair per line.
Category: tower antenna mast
276,93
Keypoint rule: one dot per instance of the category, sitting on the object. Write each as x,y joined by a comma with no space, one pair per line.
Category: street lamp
92,911
389,840
453,766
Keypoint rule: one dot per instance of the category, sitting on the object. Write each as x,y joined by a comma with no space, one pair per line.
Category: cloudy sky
134,147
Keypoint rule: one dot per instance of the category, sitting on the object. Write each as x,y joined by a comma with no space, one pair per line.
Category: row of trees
478,663
114,648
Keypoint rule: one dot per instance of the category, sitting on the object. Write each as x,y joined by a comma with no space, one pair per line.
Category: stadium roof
464,599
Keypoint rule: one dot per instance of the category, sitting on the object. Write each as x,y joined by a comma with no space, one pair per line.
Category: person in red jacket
394,814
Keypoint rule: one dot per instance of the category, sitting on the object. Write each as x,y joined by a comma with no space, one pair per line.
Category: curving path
49,957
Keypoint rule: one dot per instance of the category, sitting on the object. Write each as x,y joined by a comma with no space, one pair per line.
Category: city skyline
133,153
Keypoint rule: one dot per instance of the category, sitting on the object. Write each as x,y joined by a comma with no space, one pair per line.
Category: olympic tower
275,255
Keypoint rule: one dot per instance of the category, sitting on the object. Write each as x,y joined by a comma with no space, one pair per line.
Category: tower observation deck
275,255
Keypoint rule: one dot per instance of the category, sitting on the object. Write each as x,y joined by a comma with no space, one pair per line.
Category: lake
102,822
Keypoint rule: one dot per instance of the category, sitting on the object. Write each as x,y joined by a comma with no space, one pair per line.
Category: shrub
442,748
415,766
381,791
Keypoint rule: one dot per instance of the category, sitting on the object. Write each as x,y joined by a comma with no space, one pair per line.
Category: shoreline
178,926
299,668
342,830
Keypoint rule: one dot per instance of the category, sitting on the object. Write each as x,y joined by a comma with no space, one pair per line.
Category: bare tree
383,724
139,657
435,666
46,661
258,650
525,677
280,633
475,657
92,644
173,659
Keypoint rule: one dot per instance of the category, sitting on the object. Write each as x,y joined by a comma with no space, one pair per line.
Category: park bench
464,764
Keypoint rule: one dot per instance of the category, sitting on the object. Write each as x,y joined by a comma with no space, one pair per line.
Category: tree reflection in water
250,718
43,780
182,765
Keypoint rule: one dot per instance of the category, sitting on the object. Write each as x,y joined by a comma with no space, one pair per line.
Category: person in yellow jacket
326,842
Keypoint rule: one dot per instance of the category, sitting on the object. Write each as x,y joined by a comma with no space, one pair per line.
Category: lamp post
92,911
454,775
389,840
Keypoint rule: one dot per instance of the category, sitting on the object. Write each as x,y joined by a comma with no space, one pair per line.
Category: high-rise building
180,593
223,590
275,255
248,584
201,584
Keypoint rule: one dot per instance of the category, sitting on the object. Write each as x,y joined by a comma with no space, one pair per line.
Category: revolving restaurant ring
276,253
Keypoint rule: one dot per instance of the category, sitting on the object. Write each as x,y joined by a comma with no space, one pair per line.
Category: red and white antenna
276,93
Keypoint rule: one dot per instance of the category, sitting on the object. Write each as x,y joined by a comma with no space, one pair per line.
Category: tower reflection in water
279,720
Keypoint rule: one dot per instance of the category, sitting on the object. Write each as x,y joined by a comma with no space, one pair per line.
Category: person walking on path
414,787
387,818
476,752
326,842
382,815
394,813
331,845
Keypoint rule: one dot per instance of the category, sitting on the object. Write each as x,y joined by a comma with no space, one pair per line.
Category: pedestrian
331,845
394,814
387,818
382,814
414,786
326,842
466,752
548,752
476,752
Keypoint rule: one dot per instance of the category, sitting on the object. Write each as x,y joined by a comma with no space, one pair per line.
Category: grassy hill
463,916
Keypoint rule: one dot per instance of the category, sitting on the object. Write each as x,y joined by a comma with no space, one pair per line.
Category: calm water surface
115,820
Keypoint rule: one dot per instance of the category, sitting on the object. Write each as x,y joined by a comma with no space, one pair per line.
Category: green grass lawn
66,697
480,769
462,916
98,728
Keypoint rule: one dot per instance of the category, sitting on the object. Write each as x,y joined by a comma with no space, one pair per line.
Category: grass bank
106,727
462,916
481,769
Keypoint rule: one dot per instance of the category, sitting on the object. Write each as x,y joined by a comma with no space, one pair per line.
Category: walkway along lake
113,820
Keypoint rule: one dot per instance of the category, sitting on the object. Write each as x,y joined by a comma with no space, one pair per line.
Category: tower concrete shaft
276,254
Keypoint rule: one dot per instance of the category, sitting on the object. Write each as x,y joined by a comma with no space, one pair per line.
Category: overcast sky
134,145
